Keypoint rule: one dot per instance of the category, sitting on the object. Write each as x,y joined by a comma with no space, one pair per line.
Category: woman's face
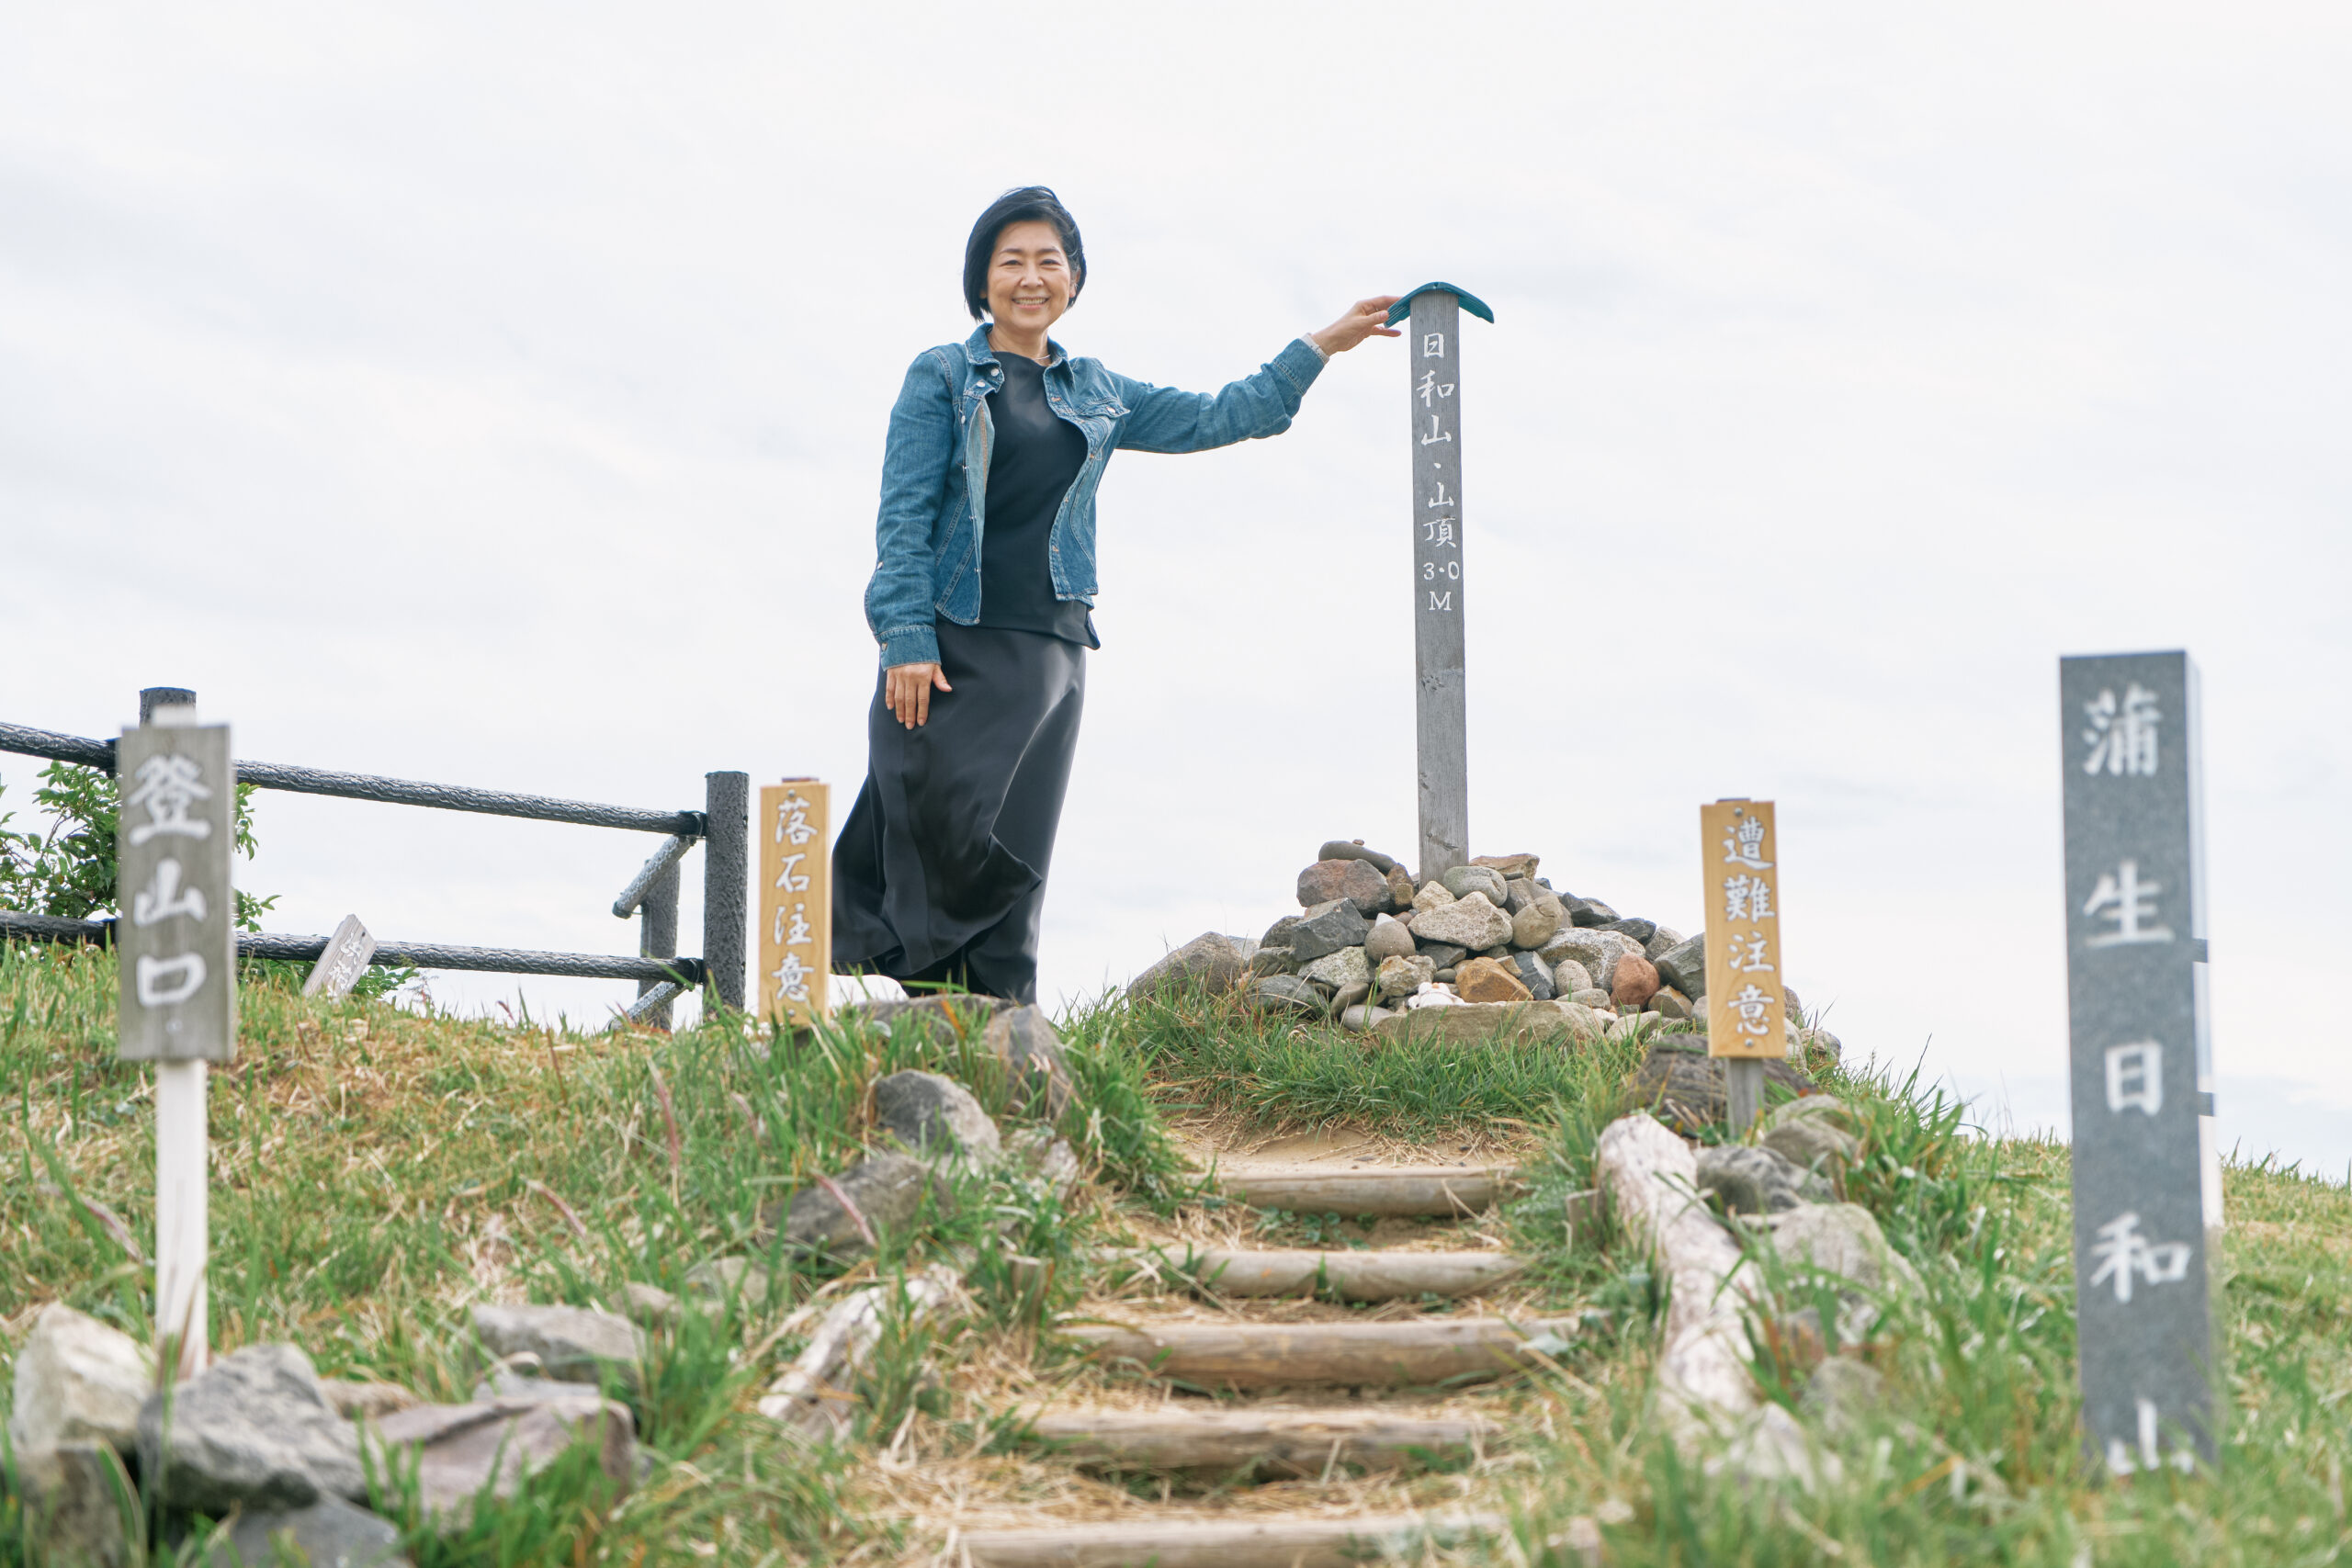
1030,282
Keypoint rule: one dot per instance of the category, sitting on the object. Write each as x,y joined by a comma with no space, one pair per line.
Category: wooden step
1226,1543
1291,1442
1442,1191
1412,1353
1366,1276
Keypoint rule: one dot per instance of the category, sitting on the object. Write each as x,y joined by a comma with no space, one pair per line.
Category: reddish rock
1635,982
1360,881
1509,865
1489,980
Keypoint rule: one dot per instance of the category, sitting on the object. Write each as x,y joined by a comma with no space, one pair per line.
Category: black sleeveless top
1035,456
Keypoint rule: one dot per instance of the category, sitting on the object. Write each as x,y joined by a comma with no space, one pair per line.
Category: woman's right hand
906,691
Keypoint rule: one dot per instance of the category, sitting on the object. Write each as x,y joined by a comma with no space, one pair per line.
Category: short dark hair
1030,204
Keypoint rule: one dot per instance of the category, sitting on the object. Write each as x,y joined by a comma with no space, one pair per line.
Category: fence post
658,933
726,881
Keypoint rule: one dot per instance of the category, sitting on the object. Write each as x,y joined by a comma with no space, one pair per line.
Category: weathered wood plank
1345,1275
1299,1442
1406,1191
1439,714
1414,1353
1222,1544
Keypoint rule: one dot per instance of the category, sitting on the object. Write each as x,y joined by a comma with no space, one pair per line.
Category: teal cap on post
1470,302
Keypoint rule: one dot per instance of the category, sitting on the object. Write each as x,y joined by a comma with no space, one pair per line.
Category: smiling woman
997,447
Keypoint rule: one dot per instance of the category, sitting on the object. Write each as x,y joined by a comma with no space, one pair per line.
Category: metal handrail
725,822
300,780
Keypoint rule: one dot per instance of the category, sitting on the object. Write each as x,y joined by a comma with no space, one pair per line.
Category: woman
996,448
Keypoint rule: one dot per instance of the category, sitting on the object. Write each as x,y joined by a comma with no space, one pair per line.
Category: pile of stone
1374,949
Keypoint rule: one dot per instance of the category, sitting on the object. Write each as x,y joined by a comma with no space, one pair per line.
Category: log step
1345,1275
1441,1191
1409,1354
1228,1543
1293,1443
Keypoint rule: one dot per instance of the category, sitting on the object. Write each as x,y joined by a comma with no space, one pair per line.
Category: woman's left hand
1365,318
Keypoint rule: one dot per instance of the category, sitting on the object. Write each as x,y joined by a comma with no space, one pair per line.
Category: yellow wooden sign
1746,1014
795,831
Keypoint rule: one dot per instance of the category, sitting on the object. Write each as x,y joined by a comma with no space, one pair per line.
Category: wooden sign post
178,947
1441,744
795,831
2146,1176
1747,1010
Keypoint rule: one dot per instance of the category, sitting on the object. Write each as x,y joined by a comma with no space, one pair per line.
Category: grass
379,1171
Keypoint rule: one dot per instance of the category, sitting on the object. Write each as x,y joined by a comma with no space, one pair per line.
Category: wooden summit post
1440,733
1748,1023
177,944
795,830
2146,1176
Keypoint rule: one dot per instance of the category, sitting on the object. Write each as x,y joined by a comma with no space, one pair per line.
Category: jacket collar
976,350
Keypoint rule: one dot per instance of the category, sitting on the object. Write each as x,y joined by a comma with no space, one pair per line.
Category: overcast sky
495,394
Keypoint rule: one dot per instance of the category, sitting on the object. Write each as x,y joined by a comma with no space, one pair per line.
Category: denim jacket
935,471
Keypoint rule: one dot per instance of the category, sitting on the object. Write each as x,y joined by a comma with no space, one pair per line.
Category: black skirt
939,874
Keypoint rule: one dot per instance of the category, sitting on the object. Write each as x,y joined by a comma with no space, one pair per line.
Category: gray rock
523,1389
1532,973
1594,997
1354,993
1678,1084
1348,966
78,1381
1821,1042
1519,893
1684,965
944,1018
1470,921
1463,880
1634,926
1400,977
1747,1180
460,1450
1842,1241
1478,1023
81,1510
1352,849
1447,975
354,1401
640,1303
1356,881
1400,890
1278,934
1590,912
1568,977
1795,1009
1362,1020
1844,1395
1273,961
1670,1004
1538,922
1597,951
889,1189
1444,955
1325,928
930,1114
1811,1132
1286,993
572,1344
255,1429
1387,939
1038,1076
1212,961
727,1278
1661,940
330,1533
1432,896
